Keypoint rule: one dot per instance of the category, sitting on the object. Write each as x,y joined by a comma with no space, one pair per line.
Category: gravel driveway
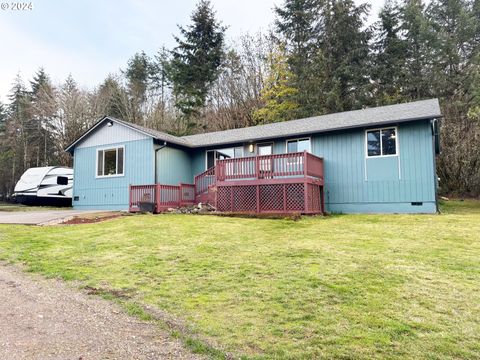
39,217
45,319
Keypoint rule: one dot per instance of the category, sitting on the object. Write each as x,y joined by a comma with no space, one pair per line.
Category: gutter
155,160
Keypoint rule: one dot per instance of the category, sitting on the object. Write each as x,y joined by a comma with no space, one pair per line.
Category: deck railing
204,180
139,194
162,196
270,167
268,183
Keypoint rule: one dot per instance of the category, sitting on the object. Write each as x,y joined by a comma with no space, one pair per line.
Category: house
372,160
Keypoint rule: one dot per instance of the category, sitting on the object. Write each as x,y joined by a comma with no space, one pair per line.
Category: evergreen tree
419,42
39,82
18,98
160,85
389,56
3,118
278,96
112,98
160,68
455,30
345,49
43,113
299,25
196,60
476,17
138,75
18,127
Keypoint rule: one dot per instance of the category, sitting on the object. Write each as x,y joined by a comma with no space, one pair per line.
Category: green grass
346,286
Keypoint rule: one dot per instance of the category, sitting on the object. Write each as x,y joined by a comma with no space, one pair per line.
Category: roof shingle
390,114
417,110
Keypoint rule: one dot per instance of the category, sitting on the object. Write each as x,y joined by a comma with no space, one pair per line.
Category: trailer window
110,162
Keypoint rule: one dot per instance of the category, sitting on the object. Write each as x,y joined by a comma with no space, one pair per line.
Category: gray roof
383,115
154,133
150,132
425,109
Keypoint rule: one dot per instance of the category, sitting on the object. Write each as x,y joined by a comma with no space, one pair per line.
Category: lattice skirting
302,197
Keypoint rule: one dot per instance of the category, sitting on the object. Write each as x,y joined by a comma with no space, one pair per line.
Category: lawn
343,286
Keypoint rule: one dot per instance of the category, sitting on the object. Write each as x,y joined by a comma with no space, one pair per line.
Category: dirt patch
119,294
92,218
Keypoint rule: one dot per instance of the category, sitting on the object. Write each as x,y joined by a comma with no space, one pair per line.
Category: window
381,142
110,162
295,163
298,145
238,152
266,164
265,149
220,154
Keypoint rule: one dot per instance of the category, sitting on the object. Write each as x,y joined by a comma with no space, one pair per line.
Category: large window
298,145
381,142
220,154
110,162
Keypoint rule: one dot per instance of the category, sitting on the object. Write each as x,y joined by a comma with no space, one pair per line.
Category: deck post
157,198
129,197
322,200
258,198
305,157
305,196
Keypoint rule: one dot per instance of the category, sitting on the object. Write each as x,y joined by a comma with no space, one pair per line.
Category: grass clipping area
345,286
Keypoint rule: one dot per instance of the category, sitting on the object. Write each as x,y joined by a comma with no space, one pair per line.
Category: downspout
155,159
435,175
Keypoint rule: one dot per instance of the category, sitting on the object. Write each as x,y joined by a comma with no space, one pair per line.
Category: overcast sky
92,38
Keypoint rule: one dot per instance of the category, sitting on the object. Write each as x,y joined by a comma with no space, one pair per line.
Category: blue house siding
354,183
111,193
198,161
174,166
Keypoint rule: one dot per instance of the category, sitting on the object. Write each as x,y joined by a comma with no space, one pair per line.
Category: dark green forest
319,57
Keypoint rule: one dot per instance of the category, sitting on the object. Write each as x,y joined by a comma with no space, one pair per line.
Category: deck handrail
204,180
270,166
163,196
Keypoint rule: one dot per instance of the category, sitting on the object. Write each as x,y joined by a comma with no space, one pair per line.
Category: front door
265,164
265,149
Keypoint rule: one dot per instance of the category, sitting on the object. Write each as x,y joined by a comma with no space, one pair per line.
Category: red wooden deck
280,183
163,196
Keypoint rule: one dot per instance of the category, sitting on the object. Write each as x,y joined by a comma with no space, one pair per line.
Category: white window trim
397,152
299,139
116,161
295,161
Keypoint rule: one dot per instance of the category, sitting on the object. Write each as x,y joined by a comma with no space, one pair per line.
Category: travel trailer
52,185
